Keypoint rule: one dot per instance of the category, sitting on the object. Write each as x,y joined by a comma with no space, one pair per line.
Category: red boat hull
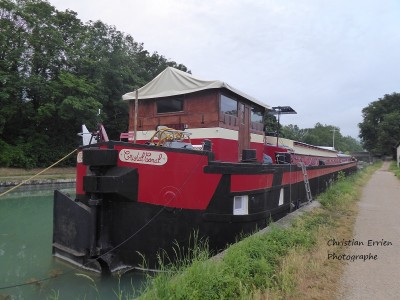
133,201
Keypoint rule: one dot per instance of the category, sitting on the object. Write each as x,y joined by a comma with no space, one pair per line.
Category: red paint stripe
243,183
297,176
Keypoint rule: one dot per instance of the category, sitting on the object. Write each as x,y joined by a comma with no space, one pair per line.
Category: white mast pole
333,137
136,115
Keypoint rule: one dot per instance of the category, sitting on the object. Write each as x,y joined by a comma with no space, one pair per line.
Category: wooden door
244,128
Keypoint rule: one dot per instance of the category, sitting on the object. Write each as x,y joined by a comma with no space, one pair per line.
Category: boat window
256,115
229,106
240,205
169,105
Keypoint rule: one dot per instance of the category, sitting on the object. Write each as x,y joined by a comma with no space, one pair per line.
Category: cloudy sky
328,59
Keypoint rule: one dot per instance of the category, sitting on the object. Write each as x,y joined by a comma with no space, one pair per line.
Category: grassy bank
393,168
14,174
283,264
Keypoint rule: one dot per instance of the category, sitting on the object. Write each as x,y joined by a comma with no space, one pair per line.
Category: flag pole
136,115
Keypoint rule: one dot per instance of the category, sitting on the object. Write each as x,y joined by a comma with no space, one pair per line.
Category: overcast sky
328,59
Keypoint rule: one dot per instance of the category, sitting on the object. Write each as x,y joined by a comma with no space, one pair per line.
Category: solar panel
280,110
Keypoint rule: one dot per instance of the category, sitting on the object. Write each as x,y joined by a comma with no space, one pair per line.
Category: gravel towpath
378,229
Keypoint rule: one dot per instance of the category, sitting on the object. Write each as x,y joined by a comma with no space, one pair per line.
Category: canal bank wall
36,184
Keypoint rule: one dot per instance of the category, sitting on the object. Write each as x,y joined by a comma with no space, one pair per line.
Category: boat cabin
228,120
209,110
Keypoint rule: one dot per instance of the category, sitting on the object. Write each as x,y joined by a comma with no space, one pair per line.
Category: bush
33,154
395,169
19,156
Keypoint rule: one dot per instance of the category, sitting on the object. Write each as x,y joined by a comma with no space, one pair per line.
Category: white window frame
244,205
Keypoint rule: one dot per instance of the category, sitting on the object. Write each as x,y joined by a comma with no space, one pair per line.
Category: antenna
333,136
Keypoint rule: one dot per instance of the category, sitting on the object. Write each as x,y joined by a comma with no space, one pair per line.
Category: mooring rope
41,172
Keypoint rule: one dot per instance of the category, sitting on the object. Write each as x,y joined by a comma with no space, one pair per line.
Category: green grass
248,265
393,168
15,174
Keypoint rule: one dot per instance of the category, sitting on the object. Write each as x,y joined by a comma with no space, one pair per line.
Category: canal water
26,228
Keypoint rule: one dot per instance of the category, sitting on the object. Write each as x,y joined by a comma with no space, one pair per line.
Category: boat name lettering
143,157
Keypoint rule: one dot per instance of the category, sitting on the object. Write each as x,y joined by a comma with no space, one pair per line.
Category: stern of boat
81,225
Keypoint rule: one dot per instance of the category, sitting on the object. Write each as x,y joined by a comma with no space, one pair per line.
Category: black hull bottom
137,234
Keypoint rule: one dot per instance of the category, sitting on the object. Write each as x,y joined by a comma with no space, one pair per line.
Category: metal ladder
306,182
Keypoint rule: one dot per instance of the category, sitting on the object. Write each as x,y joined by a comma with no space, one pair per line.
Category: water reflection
26,226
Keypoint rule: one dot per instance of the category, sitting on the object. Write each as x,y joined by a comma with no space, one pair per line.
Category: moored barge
196,159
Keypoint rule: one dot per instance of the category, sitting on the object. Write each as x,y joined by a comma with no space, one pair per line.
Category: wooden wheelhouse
210,110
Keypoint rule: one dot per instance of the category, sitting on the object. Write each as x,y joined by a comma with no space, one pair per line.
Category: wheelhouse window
170,105
229,106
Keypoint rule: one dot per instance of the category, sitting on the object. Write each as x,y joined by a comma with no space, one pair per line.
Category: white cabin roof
172,82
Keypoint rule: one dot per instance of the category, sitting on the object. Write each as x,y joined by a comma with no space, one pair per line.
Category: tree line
57,72
322,135
379,130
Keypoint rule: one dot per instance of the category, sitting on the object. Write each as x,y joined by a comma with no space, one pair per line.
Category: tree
12,64
271,123
380,128
322,135
293,132
56,73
